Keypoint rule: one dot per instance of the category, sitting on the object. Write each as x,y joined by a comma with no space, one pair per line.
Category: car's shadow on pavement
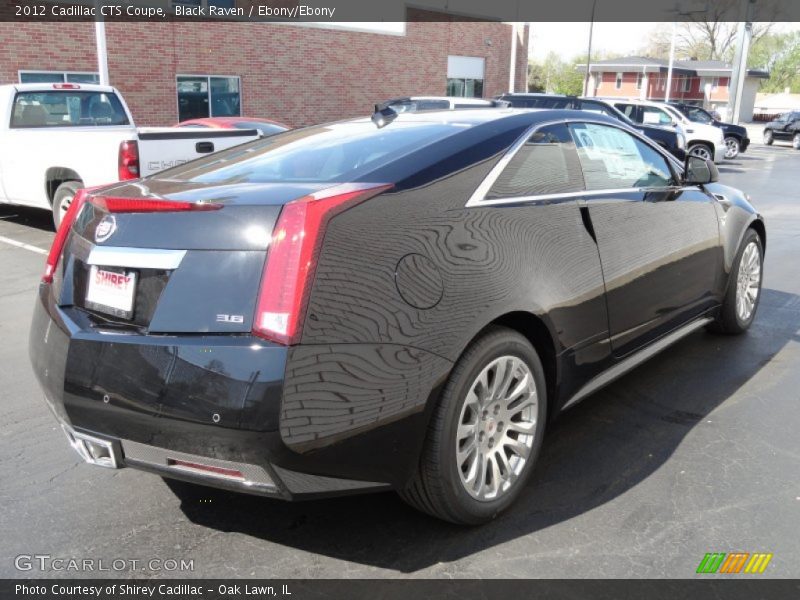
592,454
30,217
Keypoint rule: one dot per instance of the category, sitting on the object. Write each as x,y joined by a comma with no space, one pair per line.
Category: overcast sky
571,39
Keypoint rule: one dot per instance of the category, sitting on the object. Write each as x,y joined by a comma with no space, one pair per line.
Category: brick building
701,82
295,73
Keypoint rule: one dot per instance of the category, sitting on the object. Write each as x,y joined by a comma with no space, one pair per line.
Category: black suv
784,128
668,139
736,139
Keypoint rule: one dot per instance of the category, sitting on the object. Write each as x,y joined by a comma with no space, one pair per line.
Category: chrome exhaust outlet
91,449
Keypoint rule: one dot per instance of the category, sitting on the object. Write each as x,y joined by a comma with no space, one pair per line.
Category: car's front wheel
732,147
768,137
744,288
486,432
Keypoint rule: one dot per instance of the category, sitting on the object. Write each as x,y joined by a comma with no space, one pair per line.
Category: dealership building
299,73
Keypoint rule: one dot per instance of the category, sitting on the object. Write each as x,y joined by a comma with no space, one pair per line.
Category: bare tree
711,35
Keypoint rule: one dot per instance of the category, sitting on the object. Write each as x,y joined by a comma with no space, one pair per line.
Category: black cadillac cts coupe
400,302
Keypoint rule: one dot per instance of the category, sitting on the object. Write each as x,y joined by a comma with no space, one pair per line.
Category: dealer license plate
111,292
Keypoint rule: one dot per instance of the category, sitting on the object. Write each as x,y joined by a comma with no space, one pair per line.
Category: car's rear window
337,152
67,108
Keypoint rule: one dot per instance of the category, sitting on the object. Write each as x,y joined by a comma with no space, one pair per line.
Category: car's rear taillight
128,164
63,231
292,258
148,205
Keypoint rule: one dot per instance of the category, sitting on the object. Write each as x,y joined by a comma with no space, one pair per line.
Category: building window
639,78
465,76
685,85
618,82
201,96
57,77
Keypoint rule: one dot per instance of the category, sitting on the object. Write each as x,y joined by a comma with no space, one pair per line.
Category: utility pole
739,74
671,61
589,53
100,44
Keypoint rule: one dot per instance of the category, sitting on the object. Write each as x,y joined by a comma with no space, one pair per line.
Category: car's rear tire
796,141
732,147
701,150
62,199
485,433
744,287
768,137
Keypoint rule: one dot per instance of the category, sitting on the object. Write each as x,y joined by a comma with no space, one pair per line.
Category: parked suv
399,303
705,141
784,128
666,137
736,139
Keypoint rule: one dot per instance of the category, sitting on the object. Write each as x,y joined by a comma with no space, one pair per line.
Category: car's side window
546,164
629,110
698,115
652,115
615,159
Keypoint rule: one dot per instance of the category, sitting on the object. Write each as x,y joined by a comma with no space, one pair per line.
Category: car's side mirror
699,171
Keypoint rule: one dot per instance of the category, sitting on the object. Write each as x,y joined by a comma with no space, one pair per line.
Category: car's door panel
659,244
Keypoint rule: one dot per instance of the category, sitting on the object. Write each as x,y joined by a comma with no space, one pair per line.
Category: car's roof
467,117
46,87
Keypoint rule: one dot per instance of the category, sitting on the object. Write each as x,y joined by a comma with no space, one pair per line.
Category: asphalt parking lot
696,451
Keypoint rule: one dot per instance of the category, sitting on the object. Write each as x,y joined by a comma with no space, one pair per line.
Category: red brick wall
295,74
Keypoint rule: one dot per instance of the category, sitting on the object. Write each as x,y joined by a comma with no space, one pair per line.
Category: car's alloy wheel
496,428
742,295
748,282
701,151
768,137
485,432
731,147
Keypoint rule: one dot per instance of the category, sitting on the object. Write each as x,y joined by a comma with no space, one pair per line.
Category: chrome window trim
137,258
478,197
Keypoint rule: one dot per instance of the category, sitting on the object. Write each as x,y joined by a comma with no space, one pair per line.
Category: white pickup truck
57,138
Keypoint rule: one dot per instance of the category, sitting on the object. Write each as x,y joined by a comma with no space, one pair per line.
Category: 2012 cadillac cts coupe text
400,302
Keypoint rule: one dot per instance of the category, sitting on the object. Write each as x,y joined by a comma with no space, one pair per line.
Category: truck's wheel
485,434
701,150
768,137
796,141
732,147
62,199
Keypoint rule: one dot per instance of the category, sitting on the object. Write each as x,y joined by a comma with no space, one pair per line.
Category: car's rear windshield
67,108
337,152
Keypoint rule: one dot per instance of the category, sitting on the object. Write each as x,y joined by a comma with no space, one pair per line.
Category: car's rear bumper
220,402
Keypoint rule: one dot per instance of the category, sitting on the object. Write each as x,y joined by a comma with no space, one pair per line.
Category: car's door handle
204,147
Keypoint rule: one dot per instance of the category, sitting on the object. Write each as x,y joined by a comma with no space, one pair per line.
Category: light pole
589,53
671,61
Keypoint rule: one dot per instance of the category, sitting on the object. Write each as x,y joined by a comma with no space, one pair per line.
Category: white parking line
22,245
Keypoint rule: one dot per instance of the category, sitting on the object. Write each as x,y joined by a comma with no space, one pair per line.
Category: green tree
780,55
555,76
